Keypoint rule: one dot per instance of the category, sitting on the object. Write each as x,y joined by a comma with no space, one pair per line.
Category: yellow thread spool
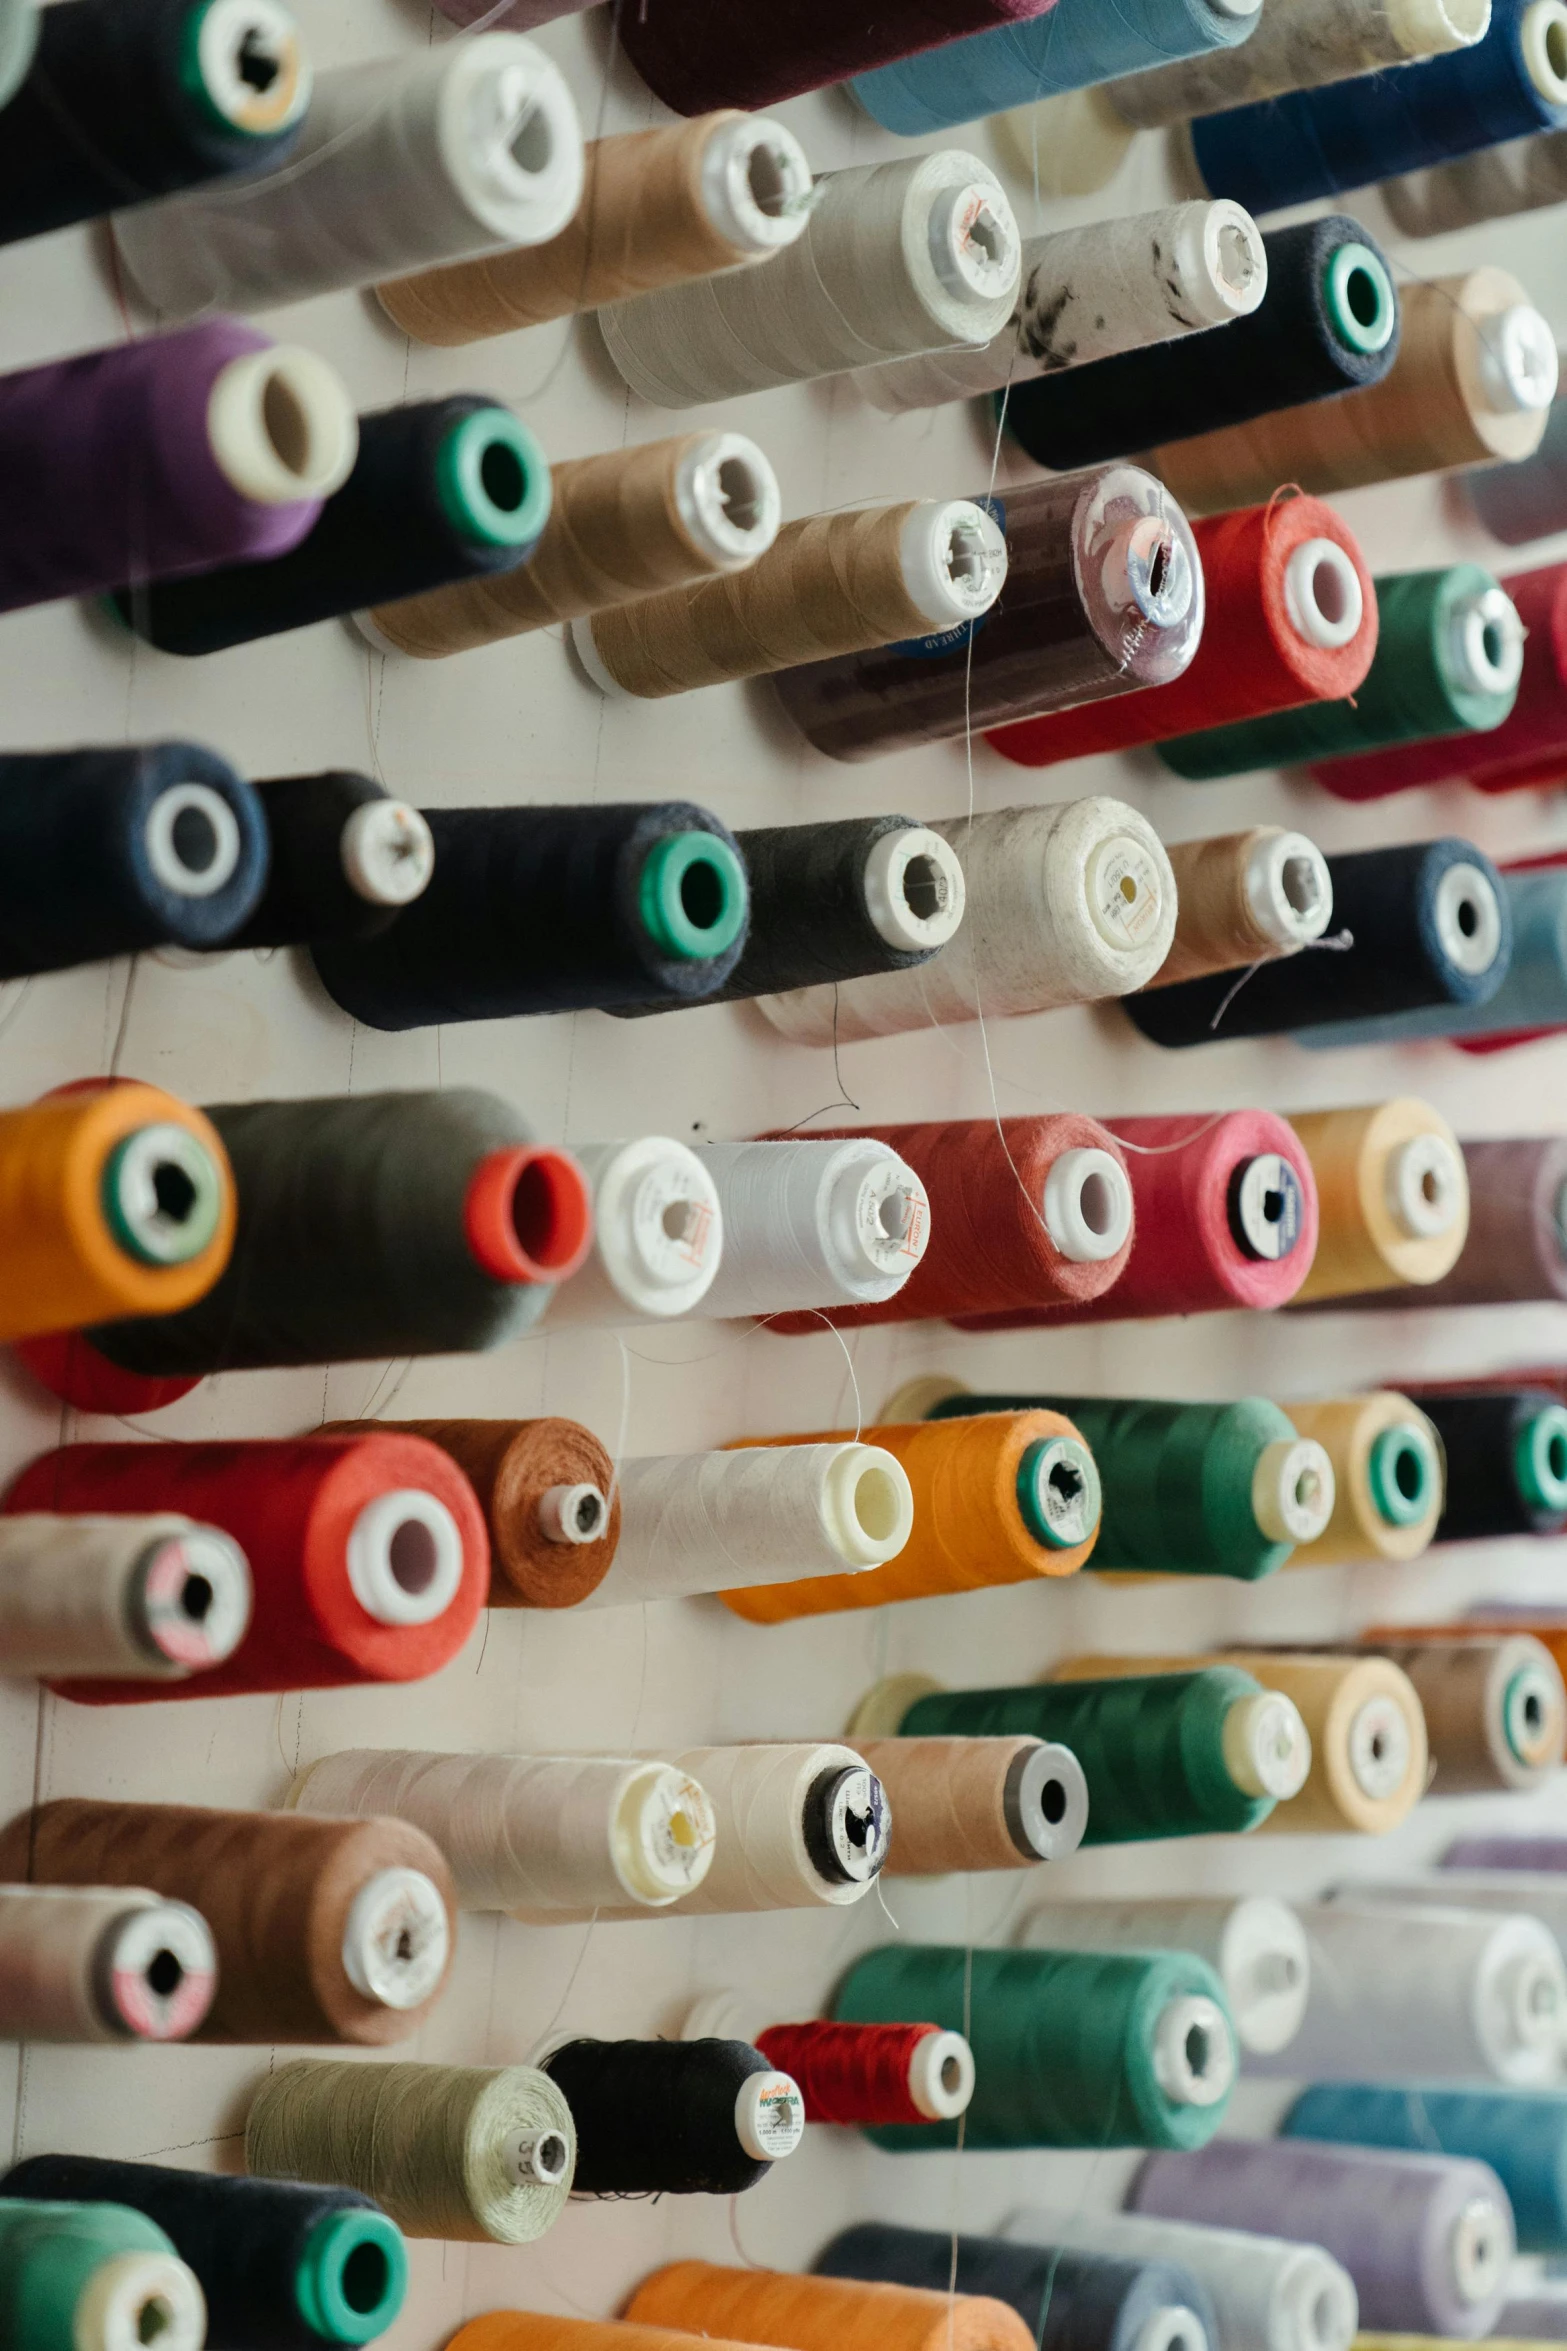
1393,1195
1363,1437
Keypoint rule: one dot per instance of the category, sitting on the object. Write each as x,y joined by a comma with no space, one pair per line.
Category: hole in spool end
740,494
1301,884
285,423
924,888
364,2278
504,476
878,1504
1236,260
532,144
154,2319
768,180
164,1973
1052,1802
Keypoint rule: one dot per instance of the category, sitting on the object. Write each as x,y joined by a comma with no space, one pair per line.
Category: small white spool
1266,1746
658,1234
1066,905
139,1599
1193,2051
403,163
1255,1945
759,1514
1543,40
1427,1186
101,1963
281,426
133,2299
1485,641
913,886
756,184
397,1939
810,1224
1087,1205
1323,598
1516,357
387,852
405,1557
1289,891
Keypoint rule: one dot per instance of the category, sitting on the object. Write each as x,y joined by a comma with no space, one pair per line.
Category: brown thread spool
544,1486
823,2314
951,1803
281,1894
629,523
1244,898
1392,1194
1441,404
658,208
1359,1434
545,2330
1495,1709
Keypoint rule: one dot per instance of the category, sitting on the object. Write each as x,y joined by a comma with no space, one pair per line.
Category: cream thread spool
658,1234
100,1963
1244,898
967,1804
1087,293
281,426
917,255
1256,1945
718,1522
1387,1472
1393,1197
402,162
630,523
533,1834
810,1224
1066,905
832,584
1495,1709
135,1599
658,208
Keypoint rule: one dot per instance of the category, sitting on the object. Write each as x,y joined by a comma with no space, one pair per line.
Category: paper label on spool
769,2116
887,1236
1124,894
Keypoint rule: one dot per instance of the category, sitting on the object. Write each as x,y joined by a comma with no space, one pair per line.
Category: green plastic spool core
1058,1492
1540,1458
257,67
163,1196
1402,1473
493,479
352,2276
1359,296
693,895
1526,1714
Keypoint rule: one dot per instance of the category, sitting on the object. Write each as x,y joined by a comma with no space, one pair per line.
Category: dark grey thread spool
346,859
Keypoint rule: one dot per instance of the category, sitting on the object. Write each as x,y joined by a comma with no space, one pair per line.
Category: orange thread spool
546,2330
823,2314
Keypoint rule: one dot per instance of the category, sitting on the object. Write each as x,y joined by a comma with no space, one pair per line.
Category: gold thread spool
1463,1686
1429,412
948,1799
1347,1428
823,2314
1360,1245
545,2330
1216,924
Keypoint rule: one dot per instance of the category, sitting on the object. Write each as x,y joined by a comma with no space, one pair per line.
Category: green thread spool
93,2277
1448,660
1071,2048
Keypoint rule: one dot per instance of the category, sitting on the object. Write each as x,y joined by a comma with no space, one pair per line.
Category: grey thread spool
1256,1946
1536,1893
834,902
1494,183
98,1963
134,1599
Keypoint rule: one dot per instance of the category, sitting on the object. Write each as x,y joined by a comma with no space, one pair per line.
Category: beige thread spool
1495,1709
1393,1197
101,1963
1474,379
1374,1443
660,207
962,1804
1244,898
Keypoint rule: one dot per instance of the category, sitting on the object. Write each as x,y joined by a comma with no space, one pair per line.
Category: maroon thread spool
1516,1252
698,55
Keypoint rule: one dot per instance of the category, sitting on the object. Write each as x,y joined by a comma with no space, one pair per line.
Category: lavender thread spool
1516,1252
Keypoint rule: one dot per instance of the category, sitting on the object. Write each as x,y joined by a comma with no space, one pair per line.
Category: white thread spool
101,1963
281,426
532,1834
1087,293
1535,1893
1256,1945
1066,905
658,1234
758,1514
135,1599
917,255
814,1224
402,163
1267,2294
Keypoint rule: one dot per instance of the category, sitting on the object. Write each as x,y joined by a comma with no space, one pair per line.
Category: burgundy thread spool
1226,1215
700,54
873,2073
1516,1252
368,1555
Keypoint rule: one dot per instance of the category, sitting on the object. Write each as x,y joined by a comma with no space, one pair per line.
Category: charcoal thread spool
1387,1477
1256,1946
91,1964
441,491
1495,1709
94,2277
873,2073
727,2116
1244,898
1393,1197
658,1234
1491,183
1104,595
834,902
346,859
968,1804
1506,1453
150,1599
806,2313
1520,2136
1262,2290
283,2267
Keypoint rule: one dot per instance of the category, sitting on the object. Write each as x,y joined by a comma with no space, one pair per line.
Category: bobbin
730,2115
95,1964
765,2304
658,1234
937,2067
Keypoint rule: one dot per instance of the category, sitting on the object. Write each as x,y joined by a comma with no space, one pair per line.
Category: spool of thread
966,1804
1494,1885
554,909
368,1554
1498,1855
831,586
444,490
122,1599
1490,183
1427,922
1104,595
1256,1947
325,1930
922,254
1066,905
175,94
1393,1197
1532,999
1005,1499
658,1234
1521,503
1426,2238
835,902
658,208
1495,1709
812,2313
91,1964
1328,323
1448,661
1522,2138
178,453
1243,899
1387,1477
18,40
470,2153
346,859
1506,1456
531,1834
521,16
726,2115
695,56
94,2277
402,162
757,1518
1111,285
627,524
1071,2048
282,2267
1474,378
873,2073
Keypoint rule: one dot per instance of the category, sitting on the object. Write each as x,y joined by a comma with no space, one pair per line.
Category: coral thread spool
1387,1478
1244,898
814,2313
154,1599
1393,1198
346,859
94,1964
1256,1946
866,2074
729,2115
962,1804
94,2277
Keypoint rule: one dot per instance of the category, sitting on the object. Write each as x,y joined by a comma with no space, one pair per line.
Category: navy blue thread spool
1329,322
346,859
1522,2135
284,2266
724,2115
554,910
110,852
1506,1451
1429,923
446,490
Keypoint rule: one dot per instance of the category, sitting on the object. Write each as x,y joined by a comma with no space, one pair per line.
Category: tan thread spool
629,523
1347,1428
512,1465
545,2330
278,1891
658,208
823,2314
1481,1738
1243,898
1363,1163
1434,408
948,1799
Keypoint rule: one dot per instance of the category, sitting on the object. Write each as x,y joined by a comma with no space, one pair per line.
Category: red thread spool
1015,1218
1199,1184
1292,618
873,2073
368,1555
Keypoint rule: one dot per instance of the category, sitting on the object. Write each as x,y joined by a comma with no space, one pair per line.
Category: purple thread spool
122,466
1517,1245
1541,1853
1426,2238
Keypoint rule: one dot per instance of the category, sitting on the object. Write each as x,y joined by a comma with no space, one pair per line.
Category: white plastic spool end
659,1225
252,65
663,1835
1518,363
1530,1996
1426,1186
1265,1964
1379,1749
1485,642
572,1514
1172,2327
941,2076
1323,598
156,1971
536,2158
1222,261
281,426
1124,892
954,559
1431,28
756,184
1289,891
396,1939
914,889
868,1504
135,2299
374,636
1087,1205
727,496
877,1218
387,852
1046,1802
405,1557
510,139
1193,2051
1317,2304
1480,2249
1468,919
191,1597
1293,1490
192,839
579,635
975,248
1266,1746
1542,37
769,2116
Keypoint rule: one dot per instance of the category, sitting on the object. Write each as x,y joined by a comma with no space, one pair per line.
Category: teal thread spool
1071,2048
1521,2134
93,2277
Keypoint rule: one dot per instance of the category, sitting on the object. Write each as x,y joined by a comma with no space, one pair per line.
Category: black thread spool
554,910
124,103
110,852
346,859
677,2118
446,490
1506,1451
1070,2301
283,2266
1324,325
1429,922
